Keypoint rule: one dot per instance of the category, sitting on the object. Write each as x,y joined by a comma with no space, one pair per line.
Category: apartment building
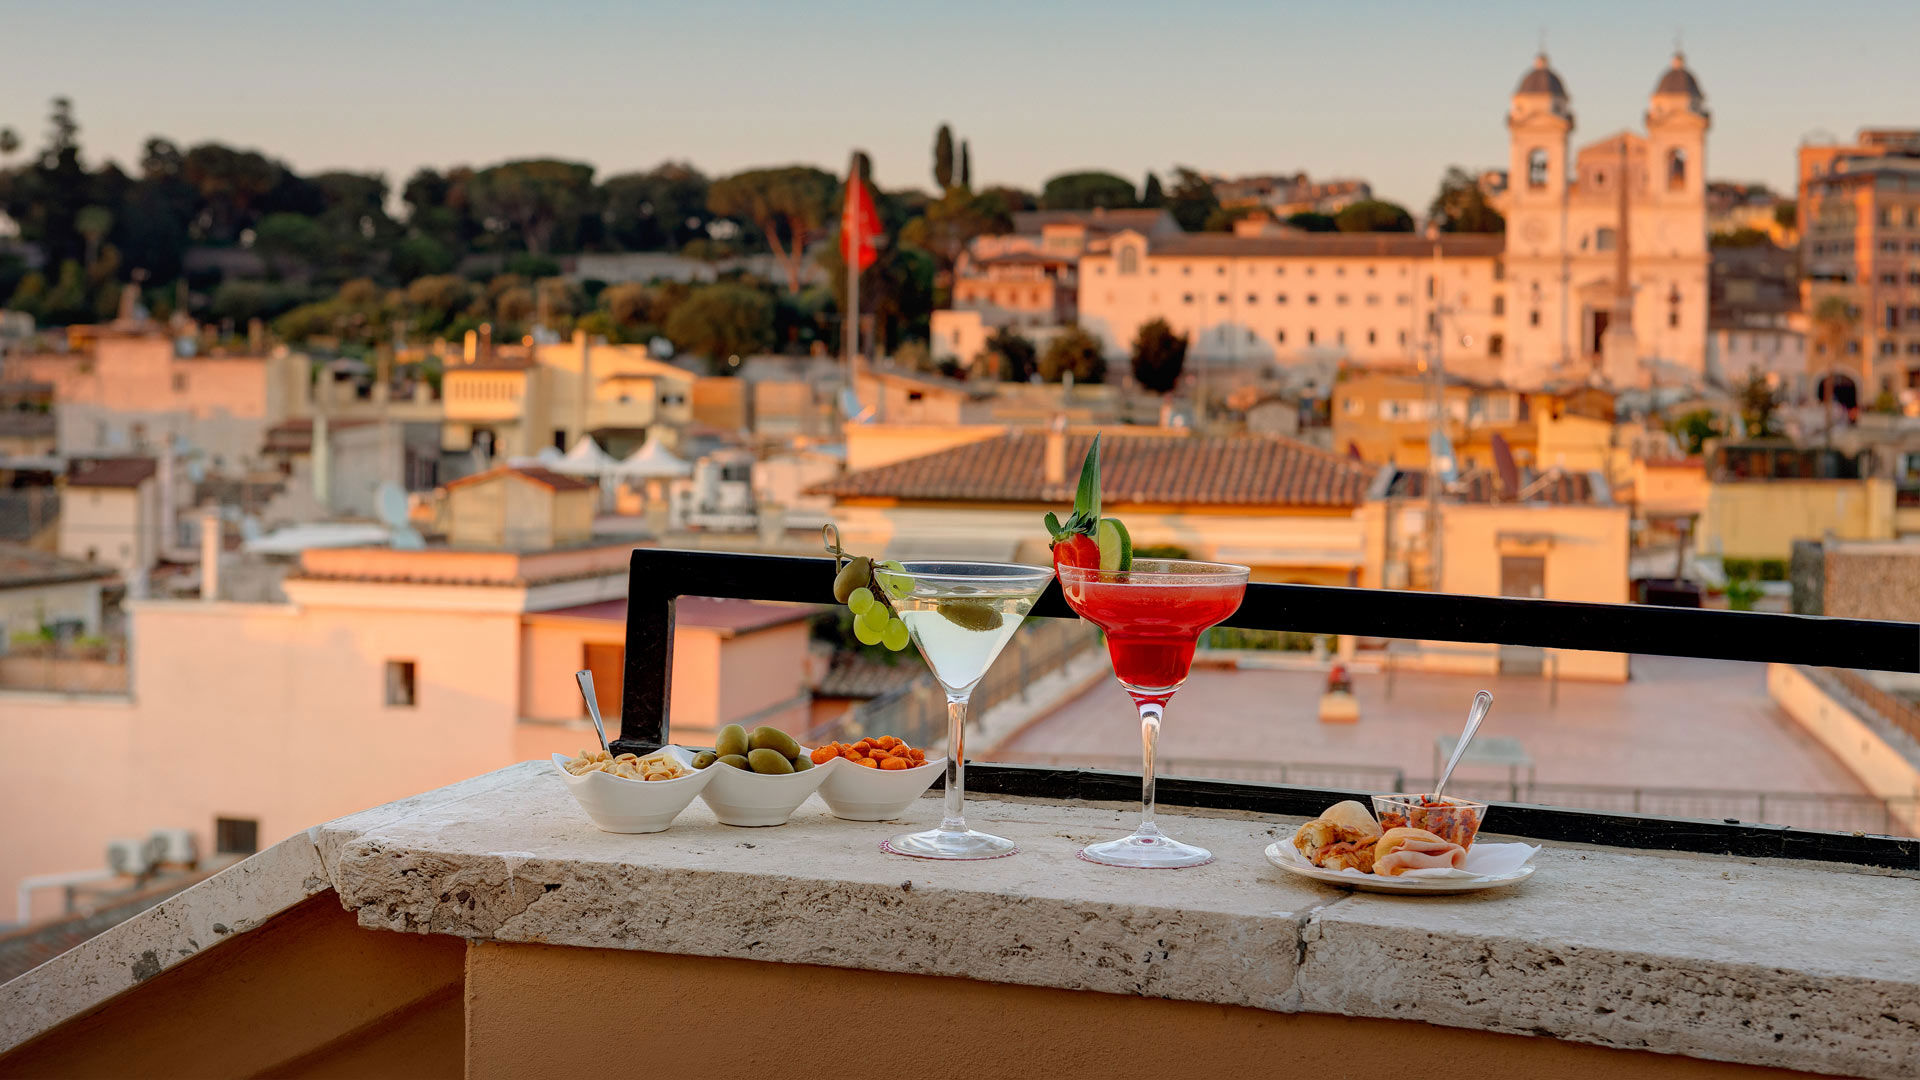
515,401
1862,245
1269,296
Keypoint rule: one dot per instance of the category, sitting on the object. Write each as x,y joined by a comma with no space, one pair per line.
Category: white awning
651,461
585,459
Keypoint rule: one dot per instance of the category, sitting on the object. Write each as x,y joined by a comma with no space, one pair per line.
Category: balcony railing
659,576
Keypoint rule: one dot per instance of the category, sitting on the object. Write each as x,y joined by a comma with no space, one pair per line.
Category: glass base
1147,851
944,844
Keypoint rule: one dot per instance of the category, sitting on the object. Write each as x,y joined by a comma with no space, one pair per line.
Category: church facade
1606,260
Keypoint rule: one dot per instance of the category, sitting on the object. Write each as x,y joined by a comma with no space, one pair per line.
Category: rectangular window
1312,337
1352,406
236,836
1892,320
1533,318
1280,336
1186,298
179,382
1340,299
1370,337
1673,318
1280,298
1222,298
1313,298
1252,299
1499,304
400,683
1496,344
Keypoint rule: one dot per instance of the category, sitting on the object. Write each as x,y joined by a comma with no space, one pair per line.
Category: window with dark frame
400,684
236,836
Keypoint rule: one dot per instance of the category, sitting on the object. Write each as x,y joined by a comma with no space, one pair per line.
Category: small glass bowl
1455,820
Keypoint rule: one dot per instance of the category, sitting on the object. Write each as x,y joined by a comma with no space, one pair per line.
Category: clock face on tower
1534,231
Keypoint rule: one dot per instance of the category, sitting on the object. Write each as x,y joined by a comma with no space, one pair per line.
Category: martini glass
1153,615
960,615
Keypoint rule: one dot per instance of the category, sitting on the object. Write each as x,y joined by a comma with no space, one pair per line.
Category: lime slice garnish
1116,547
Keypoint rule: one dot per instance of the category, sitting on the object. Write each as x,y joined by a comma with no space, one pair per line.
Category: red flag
859,224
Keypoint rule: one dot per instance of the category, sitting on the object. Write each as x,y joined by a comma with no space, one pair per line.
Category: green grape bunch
870,600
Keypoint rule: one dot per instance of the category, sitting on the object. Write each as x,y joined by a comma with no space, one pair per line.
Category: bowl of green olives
759,778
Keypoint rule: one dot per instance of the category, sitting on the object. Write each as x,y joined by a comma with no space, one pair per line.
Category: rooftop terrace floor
1676,723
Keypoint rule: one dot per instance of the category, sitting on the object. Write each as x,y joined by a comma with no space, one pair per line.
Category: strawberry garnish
1074,543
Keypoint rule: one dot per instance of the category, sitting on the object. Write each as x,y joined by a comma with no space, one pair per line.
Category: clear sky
1386,90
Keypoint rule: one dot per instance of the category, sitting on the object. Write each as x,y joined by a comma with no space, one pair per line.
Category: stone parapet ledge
1806,966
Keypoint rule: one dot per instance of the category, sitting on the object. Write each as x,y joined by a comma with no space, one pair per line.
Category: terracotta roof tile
1240,470
546,478
120,472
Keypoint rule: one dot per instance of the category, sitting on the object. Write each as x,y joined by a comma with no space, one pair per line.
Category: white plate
1284,855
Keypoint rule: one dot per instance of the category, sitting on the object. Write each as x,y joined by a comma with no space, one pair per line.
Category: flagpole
850,221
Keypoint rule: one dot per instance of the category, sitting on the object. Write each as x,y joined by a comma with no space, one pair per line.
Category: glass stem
956,765
1150,714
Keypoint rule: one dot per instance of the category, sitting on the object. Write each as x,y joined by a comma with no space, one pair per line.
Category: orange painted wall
525,1005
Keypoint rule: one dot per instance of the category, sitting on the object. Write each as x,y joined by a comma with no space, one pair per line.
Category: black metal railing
659,576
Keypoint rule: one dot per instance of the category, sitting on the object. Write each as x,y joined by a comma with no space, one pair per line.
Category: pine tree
943,157
1153,196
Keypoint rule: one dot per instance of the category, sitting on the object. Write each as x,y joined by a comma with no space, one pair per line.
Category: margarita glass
960,615
1153,615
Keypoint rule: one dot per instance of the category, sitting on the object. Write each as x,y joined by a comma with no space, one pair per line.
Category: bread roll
1400,850
1352,815
1346,825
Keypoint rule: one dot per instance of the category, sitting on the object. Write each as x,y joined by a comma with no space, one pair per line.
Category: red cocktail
1153,615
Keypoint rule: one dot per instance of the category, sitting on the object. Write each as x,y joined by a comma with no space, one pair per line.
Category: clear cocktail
1153,615
960,615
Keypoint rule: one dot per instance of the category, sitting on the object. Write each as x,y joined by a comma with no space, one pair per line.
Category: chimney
1054,461
210,554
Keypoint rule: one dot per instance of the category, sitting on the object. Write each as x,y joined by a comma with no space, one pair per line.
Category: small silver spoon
585,679
1482,701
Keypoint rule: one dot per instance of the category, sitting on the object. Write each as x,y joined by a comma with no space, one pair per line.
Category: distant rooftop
731,617
546,478
1032,221
117,472
1558,487
22,567
1329,245
1202,470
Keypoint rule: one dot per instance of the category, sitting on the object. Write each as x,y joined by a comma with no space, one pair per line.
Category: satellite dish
391,504
1509,473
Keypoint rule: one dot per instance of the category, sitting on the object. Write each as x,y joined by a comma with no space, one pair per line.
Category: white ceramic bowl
619,805
858,793
739,797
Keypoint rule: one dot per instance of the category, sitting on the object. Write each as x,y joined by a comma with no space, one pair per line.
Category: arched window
1537,168
1129,260
1676,169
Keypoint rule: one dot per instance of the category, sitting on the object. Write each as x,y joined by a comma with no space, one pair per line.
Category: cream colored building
385,672
1560,536
517,401
40,591
1284,508
138,390
1266,296
1568,229
111,514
